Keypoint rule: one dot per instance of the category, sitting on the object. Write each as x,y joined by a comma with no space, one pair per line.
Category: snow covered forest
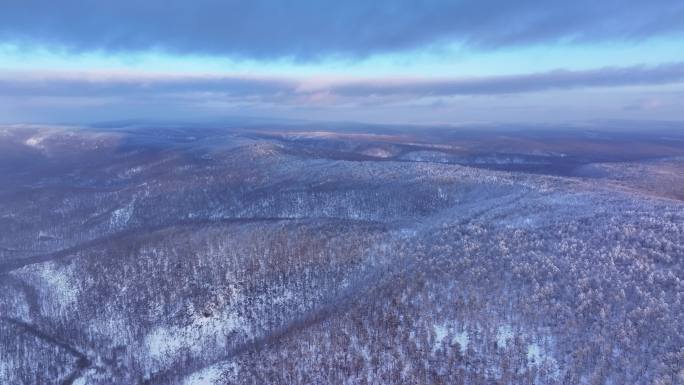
349,255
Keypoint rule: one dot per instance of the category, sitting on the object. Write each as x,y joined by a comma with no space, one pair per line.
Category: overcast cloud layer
140,85
307,30
526,60
653,92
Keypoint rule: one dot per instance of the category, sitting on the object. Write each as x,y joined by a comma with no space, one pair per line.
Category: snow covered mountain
358,255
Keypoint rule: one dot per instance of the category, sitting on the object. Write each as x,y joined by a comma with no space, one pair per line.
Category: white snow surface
212,375
121,216
36,141
55,282
166,343
442,330
503,334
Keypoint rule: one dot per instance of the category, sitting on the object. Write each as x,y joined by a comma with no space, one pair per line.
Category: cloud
313,90
308,30
94,96
100,84
645,104
558,79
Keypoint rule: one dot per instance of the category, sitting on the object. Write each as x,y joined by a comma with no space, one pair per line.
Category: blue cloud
312,29
296,90
31,84
495,85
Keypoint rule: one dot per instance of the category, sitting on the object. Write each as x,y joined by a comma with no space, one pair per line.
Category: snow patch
132,172
36,141
440,332
166,343
377,152
121,216
4,371
534,353
540,354
462,339
57,283
446,329
212,375
284,298
503,334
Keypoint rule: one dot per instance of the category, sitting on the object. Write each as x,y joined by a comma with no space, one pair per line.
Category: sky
381,61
